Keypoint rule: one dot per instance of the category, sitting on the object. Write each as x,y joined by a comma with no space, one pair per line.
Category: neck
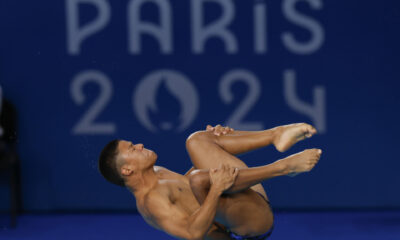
142,182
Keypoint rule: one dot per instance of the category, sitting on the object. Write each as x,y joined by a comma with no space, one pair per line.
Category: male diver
220,197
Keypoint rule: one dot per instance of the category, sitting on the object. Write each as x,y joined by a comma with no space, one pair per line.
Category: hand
223,177
219,130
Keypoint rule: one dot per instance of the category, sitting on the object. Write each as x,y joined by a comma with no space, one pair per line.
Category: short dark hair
108,163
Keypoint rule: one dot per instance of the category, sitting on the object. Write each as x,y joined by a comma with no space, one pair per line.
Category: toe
310,129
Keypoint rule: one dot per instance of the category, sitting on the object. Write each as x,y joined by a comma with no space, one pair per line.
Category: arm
174,221
217,233
201,220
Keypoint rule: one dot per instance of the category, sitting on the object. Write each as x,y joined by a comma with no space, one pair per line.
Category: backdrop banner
84,72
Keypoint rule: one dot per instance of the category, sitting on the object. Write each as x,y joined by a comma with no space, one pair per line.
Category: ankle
282,167
275,133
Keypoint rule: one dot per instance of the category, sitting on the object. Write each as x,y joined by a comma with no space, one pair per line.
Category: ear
126,171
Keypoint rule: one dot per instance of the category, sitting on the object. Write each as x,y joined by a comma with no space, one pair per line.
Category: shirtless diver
220,197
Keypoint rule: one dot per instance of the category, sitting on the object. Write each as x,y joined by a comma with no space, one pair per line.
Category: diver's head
122,159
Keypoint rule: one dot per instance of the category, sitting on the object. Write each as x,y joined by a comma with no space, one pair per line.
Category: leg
205,153
283,137
240,208
248,177
244,212
209,151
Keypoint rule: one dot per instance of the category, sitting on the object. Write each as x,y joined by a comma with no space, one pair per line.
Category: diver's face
136,155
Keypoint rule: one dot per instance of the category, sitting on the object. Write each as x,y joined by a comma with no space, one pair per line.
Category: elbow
196,236
195,232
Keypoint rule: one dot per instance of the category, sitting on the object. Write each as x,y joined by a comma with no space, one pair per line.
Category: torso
242,212
172,187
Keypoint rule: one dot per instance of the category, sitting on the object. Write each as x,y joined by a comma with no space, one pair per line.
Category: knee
199,179
200,135
198,138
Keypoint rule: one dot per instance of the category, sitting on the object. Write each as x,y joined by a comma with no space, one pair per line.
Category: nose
139,146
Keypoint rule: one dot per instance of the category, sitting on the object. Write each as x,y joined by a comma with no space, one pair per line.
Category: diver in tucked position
220,197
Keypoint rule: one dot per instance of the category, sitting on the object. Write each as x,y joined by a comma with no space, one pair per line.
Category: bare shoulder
166,174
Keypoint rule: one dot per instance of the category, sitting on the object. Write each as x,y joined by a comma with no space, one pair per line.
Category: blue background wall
352,65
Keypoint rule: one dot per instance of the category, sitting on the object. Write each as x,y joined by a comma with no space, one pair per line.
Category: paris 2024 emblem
178,86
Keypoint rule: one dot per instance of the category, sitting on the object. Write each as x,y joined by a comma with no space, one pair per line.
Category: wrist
215,189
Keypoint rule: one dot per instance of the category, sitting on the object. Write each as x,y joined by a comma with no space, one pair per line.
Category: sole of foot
303,161
288,135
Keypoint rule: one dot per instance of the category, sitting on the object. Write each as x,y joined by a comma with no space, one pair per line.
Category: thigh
245,213
205,153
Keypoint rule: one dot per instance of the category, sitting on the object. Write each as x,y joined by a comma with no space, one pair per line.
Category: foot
287,135
301,162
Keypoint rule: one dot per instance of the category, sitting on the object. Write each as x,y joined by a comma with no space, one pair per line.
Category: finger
217,133
217,130
314,130
209,128
236,173
225,167
222,166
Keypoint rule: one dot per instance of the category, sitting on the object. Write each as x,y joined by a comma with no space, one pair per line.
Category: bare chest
181,196
177,195
178,190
